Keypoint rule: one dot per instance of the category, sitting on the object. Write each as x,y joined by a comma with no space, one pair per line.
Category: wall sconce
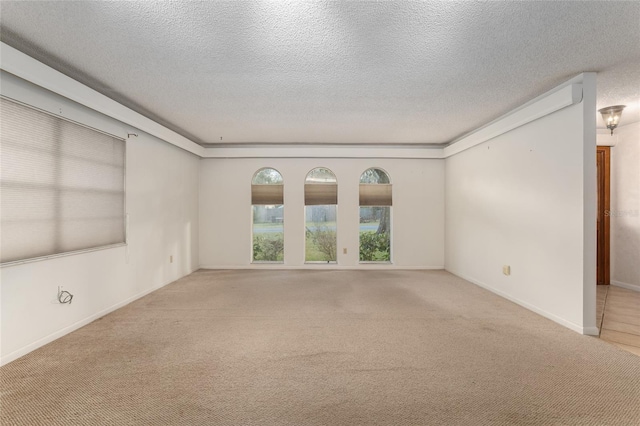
611,116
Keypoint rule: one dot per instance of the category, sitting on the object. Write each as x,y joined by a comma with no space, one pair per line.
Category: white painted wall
417,215
625,207
162,203
527,199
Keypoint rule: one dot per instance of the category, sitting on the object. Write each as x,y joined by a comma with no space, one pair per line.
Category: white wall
417,215
162,204
516,199
527,199
625,207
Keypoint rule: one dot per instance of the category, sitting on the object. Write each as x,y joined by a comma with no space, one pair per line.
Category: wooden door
603,164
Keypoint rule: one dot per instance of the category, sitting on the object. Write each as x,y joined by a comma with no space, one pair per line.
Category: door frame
603,164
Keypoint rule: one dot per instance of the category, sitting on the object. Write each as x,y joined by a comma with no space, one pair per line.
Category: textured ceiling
331,72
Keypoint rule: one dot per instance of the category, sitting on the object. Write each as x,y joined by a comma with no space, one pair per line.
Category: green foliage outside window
268,247
375,247
321,244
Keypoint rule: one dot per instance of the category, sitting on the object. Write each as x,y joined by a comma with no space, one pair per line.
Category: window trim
65,254
389,206
252,261
304,214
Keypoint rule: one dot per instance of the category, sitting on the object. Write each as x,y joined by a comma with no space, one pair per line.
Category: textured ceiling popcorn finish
331,72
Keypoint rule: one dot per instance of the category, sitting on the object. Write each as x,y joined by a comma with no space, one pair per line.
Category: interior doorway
603,160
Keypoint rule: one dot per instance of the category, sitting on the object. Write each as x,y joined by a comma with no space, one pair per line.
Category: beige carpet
322,348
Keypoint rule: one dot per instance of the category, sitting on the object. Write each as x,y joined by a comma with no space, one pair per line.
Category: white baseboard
590,331
628,286
316,266
73,327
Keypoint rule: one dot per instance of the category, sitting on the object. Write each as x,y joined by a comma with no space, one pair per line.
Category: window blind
61,185
317,194
375,194
267,194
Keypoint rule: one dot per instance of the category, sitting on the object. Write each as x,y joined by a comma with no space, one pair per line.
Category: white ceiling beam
17,63
333,151
561,97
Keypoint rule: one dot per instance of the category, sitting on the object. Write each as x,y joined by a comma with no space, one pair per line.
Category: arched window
320,210
375,216
267,200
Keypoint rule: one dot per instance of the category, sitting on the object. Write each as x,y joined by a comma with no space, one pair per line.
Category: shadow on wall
626,248
186,244
625,206
177,261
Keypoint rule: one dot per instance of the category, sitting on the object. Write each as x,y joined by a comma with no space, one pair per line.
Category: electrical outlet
171,259
506,269
344,250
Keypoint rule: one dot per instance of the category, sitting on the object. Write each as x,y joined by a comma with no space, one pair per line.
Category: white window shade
62,185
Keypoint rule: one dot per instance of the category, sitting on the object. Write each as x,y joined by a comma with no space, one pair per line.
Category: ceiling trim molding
21,65
325,144
565,95
333,151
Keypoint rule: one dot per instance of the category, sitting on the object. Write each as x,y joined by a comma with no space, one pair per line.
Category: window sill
57,255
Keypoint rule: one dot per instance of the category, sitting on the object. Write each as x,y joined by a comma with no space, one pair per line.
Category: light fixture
611,116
